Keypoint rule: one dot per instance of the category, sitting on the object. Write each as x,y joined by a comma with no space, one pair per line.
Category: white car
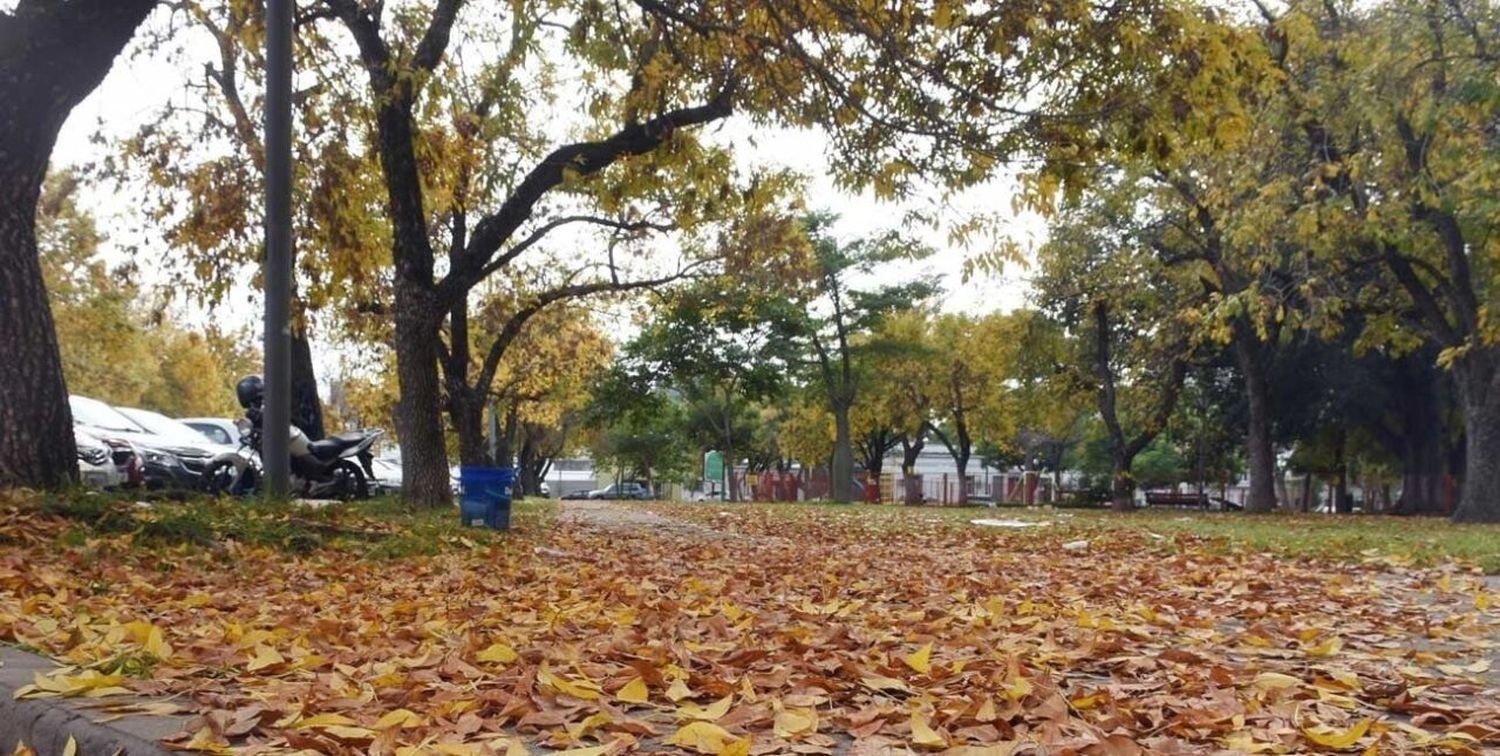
219,430
96,461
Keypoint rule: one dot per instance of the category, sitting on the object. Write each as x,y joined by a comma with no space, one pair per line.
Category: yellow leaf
739,747
498,652
703,737
634,691
1326,648
1275,681
590,751
879,682
1329,737
922,733
398,718
156,645
920,660
347,732
791,723
579,689
324,720
711,713
591,723
986,711
265,656
678,690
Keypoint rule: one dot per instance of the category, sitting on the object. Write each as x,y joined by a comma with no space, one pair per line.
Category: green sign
713,466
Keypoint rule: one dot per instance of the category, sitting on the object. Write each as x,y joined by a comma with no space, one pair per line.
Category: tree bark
307,407
842,468
1479,393
466,413
51,56
1121,482
1259,450
424,455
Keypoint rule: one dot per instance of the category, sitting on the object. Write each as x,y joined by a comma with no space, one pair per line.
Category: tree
637,432
972,359
841,316
51,56
722,349
1396,104
1102,280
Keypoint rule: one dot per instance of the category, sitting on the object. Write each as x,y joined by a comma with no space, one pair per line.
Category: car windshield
165,427
97,414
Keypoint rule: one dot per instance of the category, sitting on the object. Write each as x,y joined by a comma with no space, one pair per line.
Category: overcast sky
136,87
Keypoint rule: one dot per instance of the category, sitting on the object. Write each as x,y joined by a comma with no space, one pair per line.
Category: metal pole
278,268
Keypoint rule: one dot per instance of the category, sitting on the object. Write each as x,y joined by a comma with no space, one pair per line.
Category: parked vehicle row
144,448
128,446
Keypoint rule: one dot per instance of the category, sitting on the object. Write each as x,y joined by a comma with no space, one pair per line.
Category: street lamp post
278,266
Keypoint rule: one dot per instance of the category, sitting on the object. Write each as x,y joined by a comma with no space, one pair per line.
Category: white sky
136,87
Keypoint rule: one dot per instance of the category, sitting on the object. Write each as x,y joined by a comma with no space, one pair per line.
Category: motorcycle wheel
222,478
351,484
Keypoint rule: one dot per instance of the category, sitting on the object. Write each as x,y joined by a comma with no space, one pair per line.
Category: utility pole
276,455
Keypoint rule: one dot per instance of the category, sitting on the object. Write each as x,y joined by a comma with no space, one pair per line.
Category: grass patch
378,529
1421,541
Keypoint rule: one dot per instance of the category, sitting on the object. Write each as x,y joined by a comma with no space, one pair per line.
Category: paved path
45,725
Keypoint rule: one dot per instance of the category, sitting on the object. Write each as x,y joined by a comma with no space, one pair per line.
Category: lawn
722,628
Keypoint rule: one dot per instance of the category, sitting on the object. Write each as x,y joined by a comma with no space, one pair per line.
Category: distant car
624,490
387,480
192,447
220,430
577,495
96,463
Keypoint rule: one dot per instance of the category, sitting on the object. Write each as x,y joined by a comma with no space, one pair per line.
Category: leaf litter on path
769,630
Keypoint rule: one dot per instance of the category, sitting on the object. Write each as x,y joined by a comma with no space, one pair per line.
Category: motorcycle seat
333,446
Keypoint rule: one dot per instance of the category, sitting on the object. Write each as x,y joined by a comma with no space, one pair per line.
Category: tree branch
582,159
536,236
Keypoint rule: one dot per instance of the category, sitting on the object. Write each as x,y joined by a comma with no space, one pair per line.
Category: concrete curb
45,724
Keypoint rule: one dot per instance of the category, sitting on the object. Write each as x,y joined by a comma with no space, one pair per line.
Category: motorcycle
337,467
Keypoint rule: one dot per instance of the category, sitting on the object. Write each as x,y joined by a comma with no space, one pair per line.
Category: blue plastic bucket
484,499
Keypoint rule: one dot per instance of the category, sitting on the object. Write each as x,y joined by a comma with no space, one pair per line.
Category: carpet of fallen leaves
747,629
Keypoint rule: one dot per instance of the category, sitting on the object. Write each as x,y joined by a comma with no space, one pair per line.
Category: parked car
194,449
167,461
220,430
624,490
96,461
387,479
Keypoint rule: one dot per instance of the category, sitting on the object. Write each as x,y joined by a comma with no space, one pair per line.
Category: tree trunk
505,446
1479,393
873,467
51,56
36,426
307,407
419,420
466,413
961,463
842,469
1423,449
1343,503
1121,482
1259,451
